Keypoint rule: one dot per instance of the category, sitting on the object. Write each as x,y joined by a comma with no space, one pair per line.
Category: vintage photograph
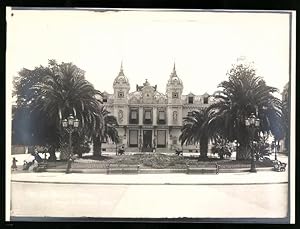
126,114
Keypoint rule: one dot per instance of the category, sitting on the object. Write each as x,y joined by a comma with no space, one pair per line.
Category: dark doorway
147,140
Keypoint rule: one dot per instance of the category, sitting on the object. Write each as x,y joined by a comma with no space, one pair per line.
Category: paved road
92,200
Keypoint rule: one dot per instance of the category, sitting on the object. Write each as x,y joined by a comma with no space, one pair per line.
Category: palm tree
286,115
244,93
64,91
195,130
108,132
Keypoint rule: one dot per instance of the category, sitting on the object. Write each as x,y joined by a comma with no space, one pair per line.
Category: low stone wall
18,149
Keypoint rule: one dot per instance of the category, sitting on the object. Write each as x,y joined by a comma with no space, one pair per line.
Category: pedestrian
14,164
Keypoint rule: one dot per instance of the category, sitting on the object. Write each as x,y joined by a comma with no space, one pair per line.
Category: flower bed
156,161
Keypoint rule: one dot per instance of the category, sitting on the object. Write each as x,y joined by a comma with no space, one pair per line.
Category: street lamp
70,125
274,147
252,123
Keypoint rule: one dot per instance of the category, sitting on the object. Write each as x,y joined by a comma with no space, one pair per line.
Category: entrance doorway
147,140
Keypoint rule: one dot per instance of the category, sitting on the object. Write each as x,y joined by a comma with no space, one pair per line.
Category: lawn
156,161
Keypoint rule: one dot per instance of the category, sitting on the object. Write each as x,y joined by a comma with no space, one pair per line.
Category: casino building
149,119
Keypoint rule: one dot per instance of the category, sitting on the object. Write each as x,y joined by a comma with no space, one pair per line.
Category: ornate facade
149,119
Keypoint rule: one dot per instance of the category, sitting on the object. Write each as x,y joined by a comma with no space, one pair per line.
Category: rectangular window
191,100
161,138
205,100
105,100
133,138
161,115
133,114
147,115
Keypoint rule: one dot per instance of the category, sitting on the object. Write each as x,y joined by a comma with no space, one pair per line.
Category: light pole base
253,170
68,166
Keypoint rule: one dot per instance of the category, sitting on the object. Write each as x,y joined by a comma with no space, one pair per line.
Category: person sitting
37,157
179,152
29,161
121,150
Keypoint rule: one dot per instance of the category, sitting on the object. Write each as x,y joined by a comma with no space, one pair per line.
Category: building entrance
147,141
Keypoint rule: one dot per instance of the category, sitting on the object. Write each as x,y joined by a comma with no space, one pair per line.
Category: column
154,116
141,115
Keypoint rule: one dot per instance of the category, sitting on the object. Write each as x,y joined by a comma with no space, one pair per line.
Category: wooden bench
120,152
179,152
279,166
41,167
196,170
122,169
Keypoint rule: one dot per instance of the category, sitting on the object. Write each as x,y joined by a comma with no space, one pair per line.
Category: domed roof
174,79
121,79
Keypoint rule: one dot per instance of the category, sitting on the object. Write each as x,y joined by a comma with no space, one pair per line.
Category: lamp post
70,125
252,123
274,147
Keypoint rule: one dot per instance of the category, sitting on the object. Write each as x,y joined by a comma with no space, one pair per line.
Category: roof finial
121,69
174,71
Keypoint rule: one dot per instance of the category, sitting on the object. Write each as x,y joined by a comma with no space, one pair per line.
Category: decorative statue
154,142
175,115
120,116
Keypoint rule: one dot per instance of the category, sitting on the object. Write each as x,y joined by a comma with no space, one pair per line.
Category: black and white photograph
150,114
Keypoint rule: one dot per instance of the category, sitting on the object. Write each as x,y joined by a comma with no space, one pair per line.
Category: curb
158,171
149,183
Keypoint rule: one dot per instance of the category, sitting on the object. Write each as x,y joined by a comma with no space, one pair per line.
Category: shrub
222,147
262,148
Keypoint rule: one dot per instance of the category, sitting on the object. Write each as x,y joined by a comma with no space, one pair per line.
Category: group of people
29,163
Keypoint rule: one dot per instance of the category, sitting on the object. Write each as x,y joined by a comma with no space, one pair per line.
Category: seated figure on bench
121,150
279,166
37,157
33,162
178,152
28,162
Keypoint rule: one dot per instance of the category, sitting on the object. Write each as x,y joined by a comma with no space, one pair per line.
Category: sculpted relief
148,94
120,116
175,114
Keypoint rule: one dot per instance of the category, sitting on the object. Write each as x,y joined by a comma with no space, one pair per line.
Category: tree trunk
287,144
100,149
64,153
203,148
52,156
243,152
79,154
97,146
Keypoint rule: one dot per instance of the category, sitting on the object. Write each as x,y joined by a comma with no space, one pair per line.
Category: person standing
14,164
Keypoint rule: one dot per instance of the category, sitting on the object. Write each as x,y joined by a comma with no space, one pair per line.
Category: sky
204,45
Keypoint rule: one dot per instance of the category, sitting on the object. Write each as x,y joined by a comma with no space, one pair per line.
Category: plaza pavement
261,177
173,195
